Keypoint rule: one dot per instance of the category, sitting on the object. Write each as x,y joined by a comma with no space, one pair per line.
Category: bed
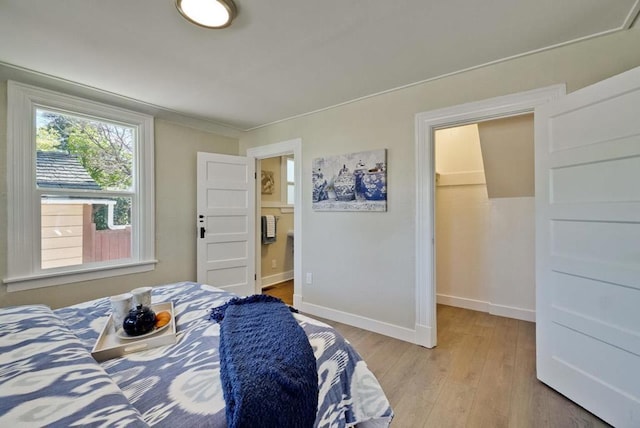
48,377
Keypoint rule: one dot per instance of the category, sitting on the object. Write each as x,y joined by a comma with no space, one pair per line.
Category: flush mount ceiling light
208,13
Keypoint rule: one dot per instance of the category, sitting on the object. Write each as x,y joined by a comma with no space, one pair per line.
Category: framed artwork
351,182
268,182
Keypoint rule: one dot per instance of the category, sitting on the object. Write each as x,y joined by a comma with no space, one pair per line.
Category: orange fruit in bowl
163,318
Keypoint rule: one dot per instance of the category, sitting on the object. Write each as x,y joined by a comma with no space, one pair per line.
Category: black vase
140,320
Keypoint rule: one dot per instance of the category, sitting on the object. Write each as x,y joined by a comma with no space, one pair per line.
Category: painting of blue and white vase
319,186
360,171
374,183
350,182
345,185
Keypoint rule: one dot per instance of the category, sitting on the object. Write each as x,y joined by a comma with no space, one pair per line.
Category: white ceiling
283,58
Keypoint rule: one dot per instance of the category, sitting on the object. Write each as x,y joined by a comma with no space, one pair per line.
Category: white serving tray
109,345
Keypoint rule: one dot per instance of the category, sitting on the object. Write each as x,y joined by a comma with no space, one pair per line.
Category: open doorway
485,217
278,195
427,123
277,232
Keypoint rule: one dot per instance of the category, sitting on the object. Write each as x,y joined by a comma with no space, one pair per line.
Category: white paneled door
588,247
226,222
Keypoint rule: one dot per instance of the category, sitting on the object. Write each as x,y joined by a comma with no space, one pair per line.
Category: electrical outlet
309,278
274,264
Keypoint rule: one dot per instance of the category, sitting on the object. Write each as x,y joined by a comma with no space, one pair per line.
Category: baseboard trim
418,336
422,335
297,300
512,312
425,336
268,281
462,302
492,308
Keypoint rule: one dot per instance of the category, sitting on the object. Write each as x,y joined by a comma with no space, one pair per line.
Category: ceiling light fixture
208,13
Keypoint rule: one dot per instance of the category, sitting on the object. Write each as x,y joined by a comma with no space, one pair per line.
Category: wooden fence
69,237
101,245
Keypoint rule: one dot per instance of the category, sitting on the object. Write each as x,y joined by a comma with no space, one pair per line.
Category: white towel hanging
271,226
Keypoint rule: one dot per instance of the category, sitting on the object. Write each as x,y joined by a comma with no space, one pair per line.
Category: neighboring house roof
61,170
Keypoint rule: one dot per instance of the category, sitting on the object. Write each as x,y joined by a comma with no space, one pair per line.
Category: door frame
282,148
425,125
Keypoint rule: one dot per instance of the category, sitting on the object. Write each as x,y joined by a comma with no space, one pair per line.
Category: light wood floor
283,291
481,374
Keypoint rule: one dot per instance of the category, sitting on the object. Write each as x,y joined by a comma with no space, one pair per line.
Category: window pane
76,231
79,153
290,170
290,194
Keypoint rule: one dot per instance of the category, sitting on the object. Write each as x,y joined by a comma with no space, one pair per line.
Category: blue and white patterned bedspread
48,378
179,385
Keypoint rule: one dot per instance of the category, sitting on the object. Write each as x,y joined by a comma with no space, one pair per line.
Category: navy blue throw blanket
267,367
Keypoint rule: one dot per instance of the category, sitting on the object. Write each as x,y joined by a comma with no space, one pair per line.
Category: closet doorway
426,125
485,217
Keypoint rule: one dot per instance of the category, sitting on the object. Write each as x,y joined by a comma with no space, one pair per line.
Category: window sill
31,282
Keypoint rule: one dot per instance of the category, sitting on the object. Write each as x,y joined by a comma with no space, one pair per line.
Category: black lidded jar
140,320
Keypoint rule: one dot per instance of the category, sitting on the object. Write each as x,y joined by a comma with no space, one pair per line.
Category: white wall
463,243
512,257
484,246
485,251
458,150
363,264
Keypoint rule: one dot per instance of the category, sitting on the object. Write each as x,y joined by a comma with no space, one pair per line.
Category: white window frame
23,200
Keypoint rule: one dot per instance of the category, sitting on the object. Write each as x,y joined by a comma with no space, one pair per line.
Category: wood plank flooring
482,374
283,291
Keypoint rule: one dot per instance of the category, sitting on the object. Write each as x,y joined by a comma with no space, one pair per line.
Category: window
288,180
80,189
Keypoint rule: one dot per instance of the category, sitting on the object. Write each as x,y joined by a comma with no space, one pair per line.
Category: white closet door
588,247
